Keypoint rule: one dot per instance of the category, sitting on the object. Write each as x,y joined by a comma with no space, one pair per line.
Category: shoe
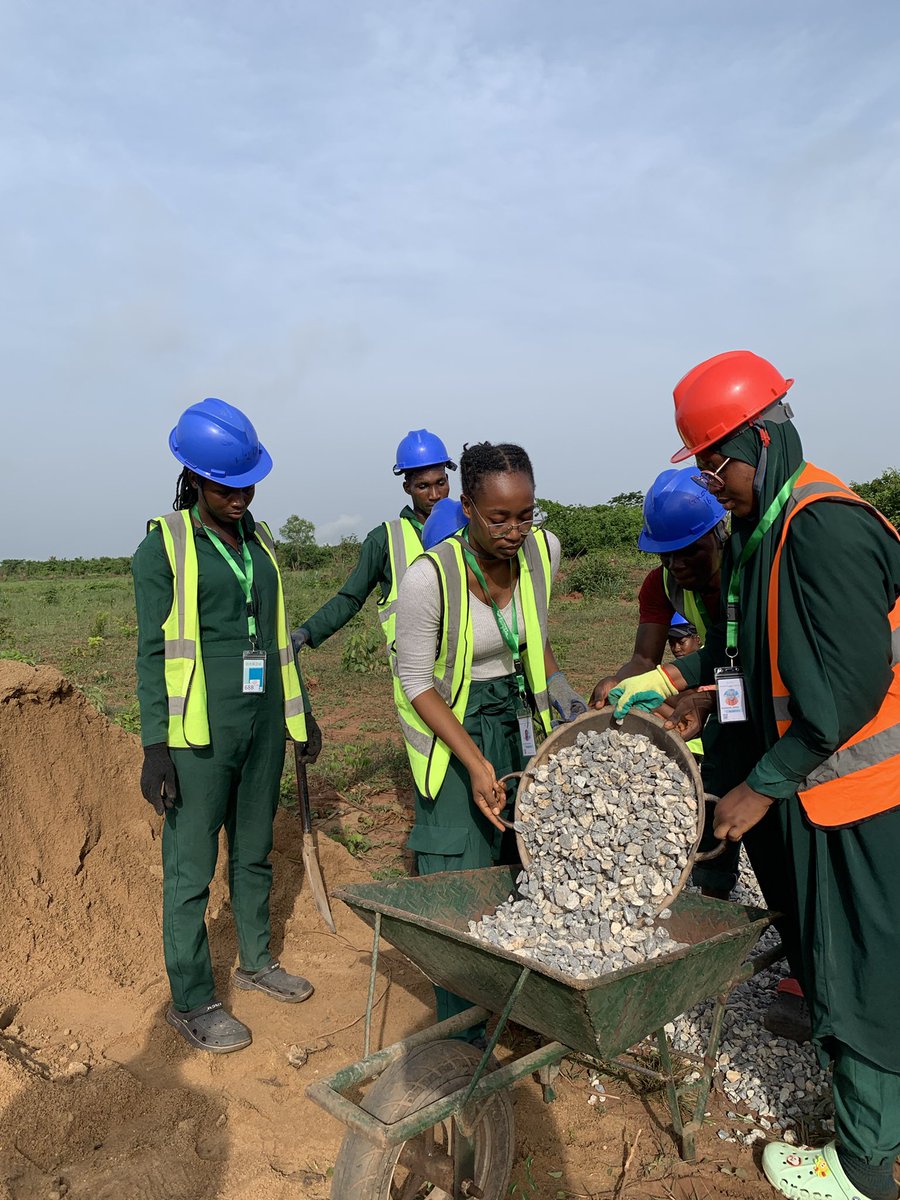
804,1174
788,1014
209,1027
274,981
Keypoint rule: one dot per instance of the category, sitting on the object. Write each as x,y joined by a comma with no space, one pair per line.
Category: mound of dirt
78,864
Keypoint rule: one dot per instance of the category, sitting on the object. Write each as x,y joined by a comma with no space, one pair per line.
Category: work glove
564,698
159,785
310,750
646,691
299,639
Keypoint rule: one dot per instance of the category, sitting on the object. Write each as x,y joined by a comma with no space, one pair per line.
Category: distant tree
298,543
884,493
627,500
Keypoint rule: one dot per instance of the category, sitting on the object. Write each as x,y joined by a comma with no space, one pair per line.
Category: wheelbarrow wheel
364,1171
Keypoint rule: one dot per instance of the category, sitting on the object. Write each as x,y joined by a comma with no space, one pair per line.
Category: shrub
597,575
363,648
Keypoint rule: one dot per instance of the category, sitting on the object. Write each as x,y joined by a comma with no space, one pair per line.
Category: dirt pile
78,864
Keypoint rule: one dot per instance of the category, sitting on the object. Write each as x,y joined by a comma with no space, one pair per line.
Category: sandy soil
100,1099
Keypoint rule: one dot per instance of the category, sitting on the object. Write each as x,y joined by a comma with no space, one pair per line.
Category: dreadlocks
485,458
185,492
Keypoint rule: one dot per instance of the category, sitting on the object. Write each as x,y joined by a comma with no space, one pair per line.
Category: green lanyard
244,577
752,545
510,636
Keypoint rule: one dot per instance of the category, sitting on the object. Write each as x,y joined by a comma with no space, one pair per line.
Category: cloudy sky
507,219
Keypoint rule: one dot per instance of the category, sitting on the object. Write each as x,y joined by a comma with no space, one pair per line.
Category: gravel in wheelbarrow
427,919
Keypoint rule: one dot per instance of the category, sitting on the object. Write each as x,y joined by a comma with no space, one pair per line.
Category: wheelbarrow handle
710,854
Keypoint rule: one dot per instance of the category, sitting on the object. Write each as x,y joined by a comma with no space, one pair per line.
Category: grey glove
310,750
299,639
159,785
564,698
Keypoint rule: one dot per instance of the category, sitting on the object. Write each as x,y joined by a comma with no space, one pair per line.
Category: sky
518,220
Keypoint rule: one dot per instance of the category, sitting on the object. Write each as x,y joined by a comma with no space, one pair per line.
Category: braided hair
186,494
484,458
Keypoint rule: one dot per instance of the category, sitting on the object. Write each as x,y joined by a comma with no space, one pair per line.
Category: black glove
158,783
299,639
310,750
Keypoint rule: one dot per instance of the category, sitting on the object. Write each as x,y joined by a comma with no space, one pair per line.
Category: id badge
730,696
526,732
254,672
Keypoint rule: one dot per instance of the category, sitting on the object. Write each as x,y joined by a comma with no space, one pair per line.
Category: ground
98,1097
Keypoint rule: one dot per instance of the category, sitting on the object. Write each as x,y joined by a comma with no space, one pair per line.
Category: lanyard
244,577
752,545
510,636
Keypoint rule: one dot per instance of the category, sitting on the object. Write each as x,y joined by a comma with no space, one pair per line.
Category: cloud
342,526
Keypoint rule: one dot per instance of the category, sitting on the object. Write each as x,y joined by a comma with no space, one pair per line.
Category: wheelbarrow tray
427,918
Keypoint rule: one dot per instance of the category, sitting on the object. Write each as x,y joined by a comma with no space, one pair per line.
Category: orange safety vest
862,777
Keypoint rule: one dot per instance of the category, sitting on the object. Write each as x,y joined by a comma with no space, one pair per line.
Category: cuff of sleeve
782,771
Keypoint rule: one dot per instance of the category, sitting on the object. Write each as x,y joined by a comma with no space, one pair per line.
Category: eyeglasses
502,529
712,480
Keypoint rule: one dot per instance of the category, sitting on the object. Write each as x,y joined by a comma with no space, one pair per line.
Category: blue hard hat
677,511
447,517
420,449
681,627
215,440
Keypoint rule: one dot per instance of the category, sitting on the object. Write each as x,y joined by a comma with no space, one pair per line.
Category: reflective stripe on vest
862,777
404,546
428,755
685,602
185,679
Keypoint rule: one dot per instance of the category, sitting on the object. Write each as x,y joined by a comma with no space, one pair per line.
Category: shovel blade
313,873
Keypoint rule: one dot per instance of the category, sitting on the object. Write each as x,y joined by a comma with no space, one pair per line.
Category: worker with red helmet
806,556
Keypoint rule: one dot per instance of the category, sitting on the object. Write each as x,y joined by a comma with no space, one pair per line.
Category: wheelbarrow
439,1120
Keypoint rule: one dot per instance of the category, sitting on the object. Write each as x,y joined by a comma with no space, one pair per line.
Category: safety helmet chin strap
775,414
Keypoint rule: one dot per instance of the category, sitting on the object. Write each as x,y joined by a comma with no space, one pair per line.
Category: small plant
128,629
96,695
18,656
98,629
597,575
363,650
95,642
388,873
357,843
50,595
129,717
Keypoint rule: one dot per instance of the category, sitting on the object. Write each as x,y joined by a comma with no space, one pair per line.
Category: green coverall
451,833
372,568
232,782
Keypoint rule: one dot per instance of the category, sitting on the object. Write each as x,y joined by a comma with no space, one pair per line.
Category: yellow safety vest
428,755
185,680
404,546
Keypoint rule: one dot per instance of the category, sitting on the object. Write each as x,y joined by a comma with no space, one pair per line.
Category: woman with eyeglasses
476,667
807,559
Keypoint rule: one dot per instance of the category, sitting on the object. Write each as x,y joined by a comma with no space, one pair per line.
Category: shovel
310,850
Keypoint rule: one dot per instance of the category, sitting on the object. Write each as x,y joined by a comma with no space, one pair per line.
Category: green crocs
804,1174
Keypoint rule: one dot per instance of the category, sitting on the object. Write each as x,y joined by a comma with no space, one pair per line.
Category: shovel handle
302,791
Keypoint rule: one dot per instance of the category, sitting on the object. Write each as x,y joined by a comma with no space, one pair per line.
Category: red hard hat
721,395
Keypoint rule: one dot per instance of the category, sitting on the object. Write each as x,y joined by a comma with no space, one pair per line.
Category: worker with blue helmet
683,637
390,547
218,689
686,526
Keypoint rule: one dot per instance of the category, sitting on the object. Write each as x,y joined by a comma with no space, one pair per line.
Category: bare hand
689,713
602,690
488,794
739,811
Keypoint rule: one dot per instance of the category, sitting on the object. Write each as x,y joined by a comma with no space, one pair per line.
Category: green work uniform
450,832
232,782
373,568
840,571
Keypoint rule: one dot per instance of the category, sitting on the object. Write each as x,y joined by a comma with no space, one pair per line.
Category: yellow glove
647,691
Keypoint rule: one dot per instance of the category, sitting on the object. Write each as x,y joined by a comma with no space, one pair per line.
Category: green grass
86,628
